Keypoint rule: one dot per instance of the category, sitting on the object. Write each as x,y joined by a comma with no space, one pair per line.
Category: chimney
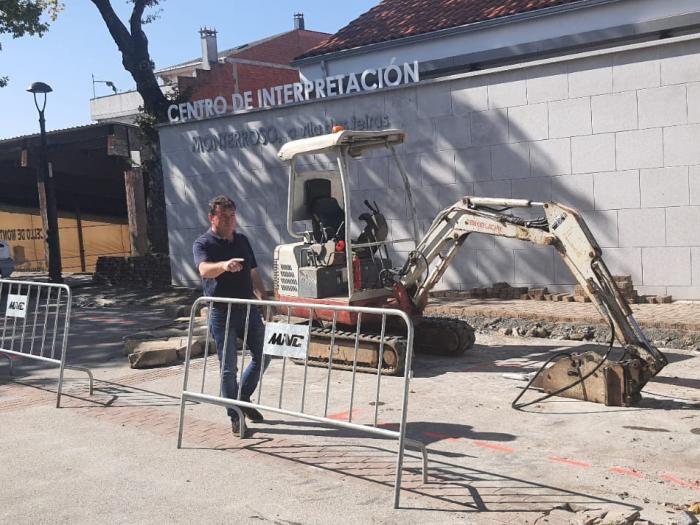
299,21
210,55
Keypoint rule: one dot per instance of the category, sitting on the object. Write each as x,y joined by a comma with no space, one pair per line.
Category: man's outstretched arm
211,270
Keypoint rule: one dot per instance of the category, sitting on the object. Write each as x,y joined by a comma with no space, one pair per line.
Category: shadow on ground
452,487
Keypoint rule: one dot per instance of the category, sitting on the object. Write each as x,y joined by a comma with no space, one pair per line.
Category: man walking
227,265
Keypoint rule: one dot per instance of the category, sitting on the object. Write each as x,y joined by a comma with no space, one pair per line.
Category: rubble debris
687,518
502,290
598,333
621,517
590,517
674,506
556,517
624,284
537,331
149,354
574,514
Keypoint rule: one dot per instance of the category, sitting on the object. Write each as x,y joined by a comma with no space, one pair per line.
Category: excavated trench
598,333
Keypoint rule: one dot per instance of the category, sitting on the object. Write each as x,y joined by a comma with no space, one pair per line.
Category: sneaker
236,427
253,415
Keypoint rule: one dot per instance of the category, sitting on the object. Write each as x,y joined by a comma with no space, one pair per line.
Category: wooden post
41,188
81,244
136,209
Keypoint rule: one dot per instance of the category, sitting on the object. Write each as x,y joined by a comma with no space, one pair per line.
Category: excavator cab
331,261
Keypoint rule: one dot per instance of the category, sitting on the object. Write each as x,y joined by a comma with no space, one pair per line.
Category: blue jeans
255,341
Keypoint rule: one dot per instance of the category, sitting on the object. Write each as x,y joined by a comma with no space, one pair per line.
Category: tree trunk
157,229
136,59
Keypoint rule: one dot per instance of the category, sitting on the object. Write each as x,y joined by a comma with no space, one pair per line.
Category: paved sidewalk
113,455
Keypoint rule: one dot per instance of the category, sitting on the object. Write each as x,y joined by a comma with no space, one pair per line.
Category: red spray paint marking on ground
626,472
567,461
438,435
683,483
493,446
343,416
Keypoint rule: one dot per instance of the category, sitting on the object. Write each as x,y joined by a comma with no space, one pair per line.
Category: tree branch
136,24
135,56
115,26
135,21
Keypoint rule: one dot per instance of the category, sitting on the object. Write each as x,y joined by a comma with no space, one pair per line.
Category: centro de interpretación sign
330,86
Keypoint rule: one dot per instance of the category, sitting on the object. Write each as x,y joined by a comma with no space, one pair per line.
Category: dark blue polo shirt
209,247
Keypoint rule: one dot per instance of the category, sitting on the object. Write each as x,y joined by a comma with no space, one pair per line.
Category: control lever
374,209
337,232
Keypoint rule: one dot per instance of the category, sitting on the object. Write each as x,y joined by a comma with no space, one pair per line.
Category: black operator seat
327,217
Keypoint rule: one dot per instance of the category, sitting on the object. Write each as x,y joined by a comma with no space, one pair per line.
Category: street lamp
47,190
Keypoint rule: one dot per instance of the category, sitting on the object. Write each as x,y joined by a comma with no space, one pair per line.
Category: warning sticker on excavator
286,340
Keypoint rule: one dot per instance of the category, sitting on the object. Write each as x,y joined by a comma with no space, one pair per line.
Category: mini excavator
326,266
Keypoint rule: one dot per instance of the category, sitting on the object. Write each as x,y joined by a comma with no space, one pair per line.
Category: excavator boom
583,376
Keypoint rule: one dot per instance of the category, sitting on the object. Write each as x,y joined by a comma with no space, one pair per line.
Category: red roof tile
393,19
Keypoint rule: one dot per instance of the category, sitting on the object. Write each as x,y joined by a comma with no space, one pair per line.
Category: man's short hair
222,202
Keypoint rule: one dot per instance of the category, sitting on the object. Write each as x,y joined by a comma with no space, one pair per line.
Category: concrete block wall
615,135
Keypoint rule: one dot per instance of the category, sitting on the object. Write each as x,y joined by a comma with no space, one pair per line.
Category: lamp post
46,187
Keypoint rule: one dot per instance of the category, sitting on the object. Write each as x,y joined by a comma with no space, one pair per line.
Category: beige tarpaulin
23,231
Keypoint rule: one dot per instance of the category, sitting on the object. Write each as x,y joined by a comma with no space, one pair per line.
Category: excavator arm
588,376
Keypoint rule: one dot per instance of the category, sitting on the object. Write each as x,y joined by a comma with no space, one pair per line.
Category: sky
78,45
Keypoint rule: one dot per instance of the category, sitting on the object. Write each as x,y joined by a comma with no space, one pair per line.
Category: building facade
612,132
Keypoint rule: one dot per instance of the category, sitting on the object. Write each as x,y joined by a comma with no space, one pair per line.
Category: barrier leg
60,386
241,420
181,424
404,406
60,381
424,453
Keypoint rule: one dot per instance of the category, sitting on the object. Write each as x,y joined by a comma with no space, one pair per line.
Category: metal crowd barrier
34,324
303,412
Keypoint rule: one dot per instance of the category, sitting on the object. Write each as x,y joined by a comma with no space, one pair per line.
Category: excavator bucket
589,377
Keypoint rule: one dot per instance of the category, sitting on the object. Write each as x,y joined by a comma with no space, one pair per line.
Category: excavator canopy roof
358,141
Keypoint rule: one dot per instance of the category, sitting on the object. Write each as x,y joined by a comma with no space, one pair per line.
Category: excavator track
445,336
434,335
394,351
